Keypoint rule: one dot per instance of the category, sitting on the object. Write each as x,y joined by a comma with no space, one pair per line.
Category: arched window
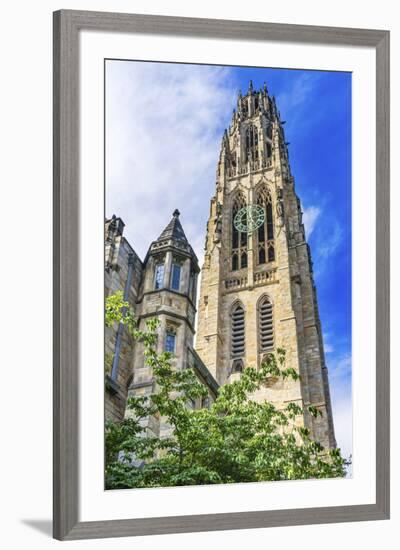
265,324
176,276
159,276
251,143
170,340
237,331
239,240
265,233
237,366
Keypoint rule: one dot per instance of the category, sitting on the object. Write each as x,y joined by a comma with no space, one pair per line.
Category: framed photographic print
221,274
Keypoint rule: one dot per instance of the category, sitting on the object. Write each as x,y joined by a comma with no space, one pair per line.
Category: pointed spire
174,229
251,87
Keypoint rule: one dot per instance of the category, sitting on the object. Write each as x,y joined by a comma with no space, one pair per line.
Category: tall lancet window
265,324
237,331
239,239
251,143
265,233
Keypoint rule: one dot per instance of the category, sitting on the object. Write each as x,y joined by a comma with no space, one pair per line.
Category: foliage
235,440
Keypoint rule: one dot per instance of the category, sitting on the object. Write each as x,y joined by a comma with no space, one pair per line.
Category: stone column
167,269
149,276
185,282
194,288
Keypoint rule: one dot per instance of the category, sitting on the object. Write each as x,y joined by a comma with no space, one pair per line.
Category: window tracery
239,240
265,233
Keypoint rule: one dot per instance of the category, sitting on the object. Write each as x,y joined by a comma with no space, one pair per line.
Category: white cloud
339,368
327,240
342,419
329,245
328,347
310,216
299,93
164,126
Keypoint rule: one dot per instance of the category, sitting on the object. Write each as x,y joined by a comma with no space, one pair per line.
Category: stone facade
257,290
163,286
123,272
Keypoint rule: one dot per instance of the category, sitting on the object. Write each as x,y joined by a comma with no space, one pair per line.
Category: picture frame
66,233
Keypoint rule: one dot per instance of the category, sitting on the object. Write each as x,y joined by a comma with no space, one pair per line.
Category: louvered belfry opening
238,327
266,325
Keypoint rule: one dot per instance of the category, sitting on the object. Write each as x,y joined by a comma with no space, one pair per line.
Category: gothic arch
262,298
238,240
251,143
266,231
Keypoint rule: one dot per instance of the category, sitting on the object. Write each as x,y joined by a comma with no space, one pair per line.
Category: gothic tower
167,292
163,286
257,289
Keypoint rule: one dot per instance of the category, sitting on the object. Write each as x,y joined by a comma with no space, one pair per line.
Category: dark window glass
261,234
237,366
176,276
170,338
261,256
243,235
235,237
235,262
243,260
271,254
270,224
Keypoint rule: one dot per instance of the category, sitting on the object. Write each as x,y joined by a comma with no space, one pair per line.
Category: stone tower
167,292
257,289
163,286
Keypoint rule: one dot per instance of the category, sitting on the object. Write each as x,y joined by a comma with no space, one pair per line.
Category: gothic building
257,291
257,287
163,286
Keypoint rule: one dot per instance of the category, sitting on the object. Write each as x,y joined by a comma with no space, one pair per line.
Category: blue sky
164,124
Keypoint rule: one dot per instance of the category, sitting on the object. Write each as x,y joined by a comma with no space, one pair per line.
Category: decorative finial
250,86
176,213
265,88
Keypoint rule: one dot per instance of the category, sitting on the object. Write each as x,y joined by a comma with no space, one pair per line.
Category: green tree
235,440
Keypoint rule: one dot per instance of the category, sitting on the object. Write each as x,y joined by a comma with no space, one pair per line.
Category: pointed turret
171,248
174,230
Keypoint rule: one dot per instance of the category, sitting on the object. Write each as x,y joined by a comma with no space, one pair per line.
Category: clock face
249,218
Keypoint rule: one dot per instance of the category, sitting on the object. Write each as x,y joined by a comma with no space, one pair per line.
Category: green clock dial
249,218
